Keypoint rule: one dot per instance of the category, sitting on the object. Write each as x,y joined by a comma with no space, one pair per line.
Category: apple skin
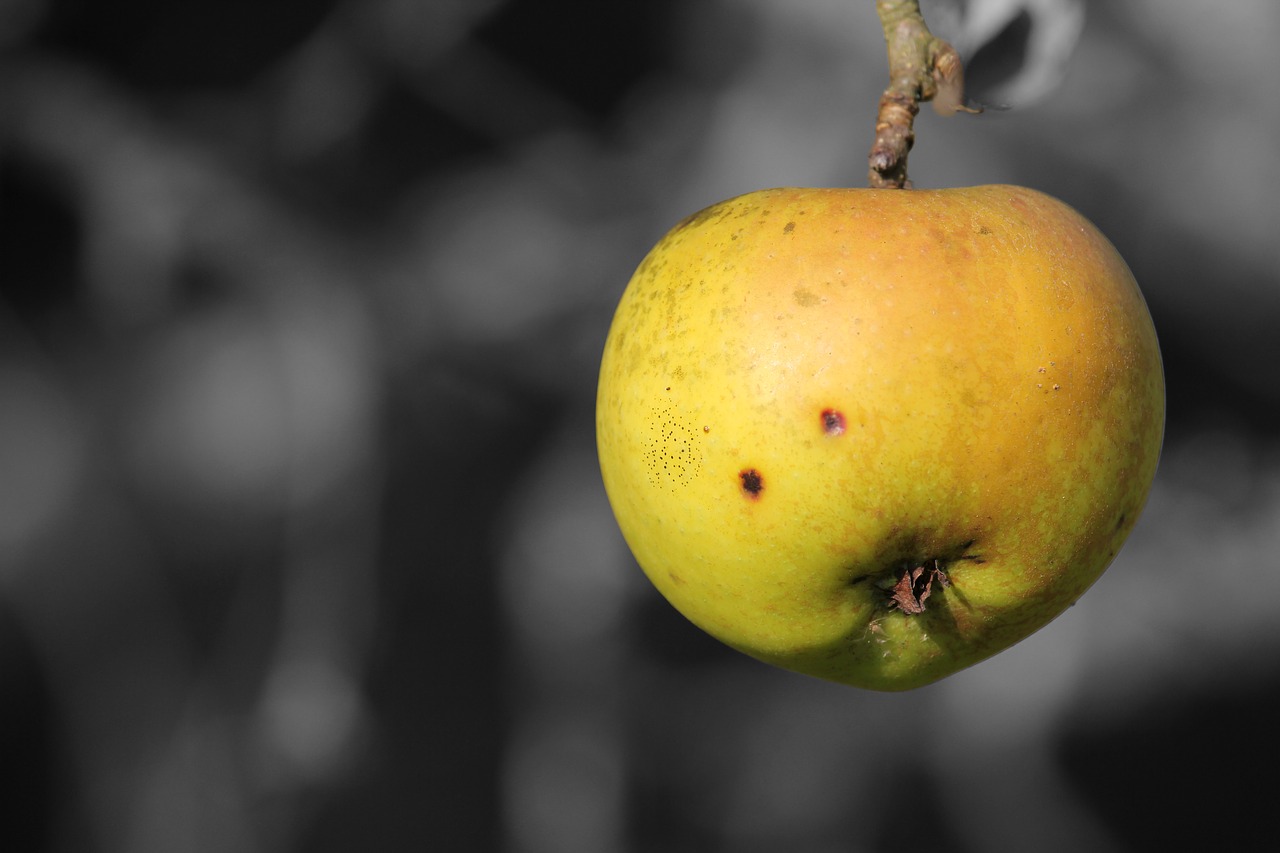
805,391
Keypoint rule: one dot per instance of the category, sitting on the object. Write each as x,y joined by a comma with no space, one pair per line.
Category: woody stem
922,67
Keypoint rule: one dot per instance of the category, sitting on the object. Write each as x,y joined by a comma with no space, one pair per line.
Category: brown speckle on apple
833,422
752,483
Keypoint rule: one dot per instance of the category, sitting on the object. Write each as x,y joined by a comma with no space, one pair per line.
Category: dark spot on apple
1120,521
752,483
788,228
832,422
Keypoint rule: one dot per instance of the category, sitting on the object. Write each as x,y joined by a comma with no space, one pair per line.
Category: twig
922,67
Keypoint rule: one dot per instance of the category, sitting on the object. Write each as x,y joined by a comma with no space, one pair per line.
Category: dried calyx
914,586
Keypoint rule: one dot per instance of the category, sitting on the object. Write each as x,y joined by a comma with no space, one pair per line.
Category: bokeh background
302,541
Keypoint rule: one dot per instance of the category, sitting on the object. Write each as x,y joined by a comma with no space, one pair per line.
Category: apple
877,436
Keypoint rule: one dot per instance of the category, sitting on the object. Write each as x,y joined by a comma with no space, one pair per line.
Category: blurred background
302,540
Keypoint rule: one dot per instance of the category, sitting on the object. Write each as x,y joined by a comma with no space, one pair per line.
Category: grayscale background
303,545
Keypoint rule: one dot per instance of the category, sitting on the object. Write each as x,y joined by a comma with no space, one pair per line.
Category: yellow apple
876,436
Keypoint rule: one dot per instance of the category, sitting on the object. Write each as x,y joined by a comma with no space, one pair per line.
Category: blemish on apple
833,422
806,298
671,451
701,216
752,483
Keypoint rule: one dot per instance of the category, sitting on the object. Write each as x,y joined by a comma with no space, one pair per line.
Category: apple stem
922,67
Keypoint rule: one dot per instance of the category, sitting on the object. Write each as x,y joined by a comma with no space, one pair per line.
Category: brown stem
921,68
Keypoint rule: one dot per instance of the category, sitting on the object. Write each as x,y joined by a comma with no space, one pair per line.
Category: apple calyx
915,585
910,582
